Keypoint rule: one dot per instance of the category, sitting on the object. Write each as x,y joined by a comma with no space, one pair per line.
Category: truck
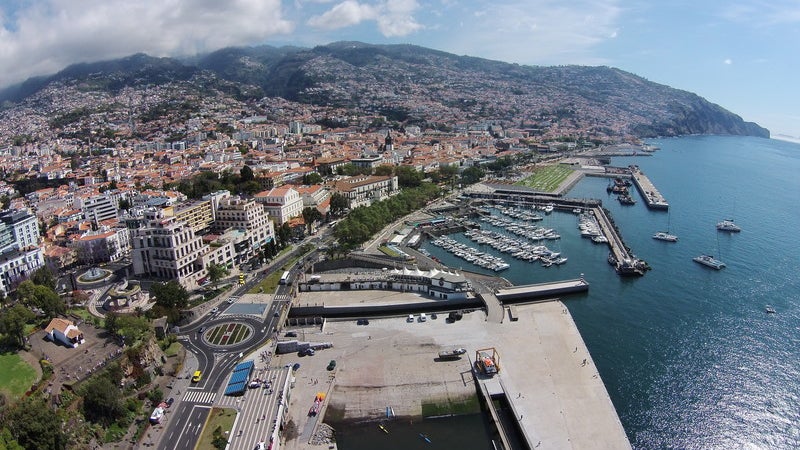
487,365
452,354
487,360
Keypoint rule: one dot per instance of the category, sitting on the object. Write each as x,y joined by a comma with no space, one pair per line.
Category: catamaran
728,225
709,261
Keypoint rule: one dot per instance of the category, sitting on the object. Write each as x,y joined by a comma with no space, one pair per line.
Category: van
410,318
423,317
197,376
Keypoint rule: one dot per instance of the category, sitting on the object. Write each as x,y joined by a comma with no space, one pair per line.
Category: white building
282,203
250,217
364,190
166,248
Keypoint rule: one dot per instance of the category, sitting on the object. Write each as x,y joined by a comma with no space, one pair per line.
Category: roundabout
228,334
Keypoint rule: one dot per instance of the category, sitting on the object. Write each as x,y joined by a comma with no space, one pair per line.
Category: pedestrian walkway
202,397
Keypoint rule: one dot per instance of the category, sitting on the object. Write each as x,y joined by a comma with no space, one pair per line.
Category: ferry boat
709,261
728,225
664,236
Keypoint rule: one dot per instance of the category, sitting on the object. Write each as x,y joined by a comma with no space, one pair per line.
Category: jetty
648,191
624,262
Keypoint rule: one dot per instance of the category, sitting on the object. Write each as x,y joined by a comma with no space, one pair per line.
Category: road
185,420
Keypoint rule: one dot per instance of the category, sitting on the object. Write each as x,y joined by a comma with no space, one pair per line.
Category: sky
741,54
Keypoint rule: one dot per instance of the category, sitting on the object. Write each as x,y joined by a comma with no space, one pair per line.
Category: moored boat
664,236
709,261
728,225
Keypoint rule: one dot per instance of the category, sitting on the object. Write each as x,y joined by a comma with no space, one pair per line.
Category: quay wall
384,310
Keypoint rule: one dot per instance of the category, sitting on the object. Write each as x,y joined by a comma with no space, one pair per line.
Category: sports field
547,178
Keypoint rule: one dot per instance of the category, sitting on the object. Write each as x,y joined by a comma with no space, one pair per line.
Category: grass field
219,418
547,178
16,376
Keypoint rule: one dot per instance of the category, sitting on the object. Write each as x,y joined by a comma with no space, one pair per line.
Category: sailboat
665,235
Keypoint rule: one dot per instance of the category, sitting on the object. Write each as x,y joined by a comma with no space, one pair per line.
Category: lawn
547,178
16,376
219,418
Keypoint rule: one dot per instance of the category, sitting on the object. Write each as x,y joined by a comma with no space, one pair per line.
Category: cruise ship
709,261
728,225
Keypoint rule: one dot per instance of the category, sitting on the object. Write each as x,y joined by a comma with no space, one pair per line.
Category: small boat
626,199
425,438
769,309
664,236
709,261
383,428
728,225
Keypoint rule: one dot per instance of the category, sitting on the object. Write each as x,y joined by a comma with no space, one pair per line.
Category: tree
472,175
284,233
13,321
246,174
34,424
311,215
41,297
216,272
44,277
384,170
312,178
102,401
170,294
339,203
408,176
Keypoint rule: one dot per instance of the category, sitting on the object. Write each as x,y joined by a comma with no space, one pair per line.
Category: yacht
709,261
664,236
728,225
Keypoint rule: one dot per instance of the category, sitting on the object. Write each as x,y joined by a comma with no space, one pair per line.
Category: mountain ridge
420,85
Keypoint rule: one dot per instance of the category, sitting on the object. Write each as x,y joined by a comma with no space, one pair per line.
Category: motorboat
769,309
664,236
709,261
728,225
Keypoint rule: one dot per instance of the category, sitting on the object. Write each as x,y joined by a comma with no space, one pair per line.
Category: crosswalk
202,397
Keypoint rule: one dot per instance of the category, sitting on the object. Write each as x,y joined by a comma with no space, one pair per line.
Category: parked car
170,401
291,334
332,364
362,322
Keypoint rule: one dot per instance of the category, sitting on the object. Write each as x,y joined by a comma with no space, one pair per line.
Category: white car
215,310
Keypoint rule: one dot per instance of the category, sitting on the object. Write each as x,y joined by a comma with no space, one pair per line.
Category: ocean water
689,356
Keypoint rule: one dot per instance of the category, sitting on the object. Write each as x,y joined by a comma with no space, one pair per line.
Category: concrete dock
546,373
648,191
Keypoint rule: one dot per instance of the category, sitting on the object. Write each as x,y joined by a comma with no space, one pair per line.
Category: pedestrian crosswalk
201,397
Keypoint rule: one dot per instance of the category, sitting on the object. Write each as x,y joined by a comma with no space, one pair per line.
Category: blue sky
742,55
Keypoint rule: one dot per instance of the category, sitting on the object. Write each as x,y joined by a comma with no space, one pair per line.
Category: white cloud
47,35
344,14
536,31
728,61
393,17
764,13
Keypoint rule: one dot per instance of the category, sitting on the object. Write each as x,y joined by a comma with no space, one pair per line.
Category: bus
285,278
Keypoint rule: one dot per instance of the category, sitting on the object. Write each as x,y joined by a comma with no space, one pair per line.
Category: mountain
414,84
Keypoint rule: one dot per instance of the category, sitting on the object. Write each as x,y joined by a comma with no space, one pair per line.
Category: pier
651,196
624,262
541,290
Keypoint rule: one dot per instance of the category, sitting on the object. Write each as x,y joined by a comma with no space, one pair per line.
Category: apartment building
251,218
199,215
168,249
21,229
105,245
